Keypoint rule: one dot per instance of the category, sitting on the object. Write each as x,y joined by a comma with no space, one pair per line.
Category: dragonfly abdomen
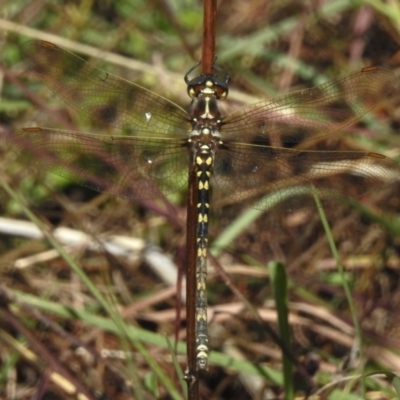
203,164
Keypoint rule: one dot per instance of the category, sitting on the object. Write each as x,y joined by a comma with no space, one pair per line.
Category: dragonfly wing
248,173
310,113
119,165
103,97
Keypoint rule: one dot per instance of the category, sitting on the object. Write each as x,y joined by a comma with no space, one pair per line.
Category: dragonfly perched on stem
246,154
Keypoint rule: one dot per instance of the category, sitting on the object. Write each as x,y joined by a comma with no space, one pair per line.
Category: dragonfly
251,153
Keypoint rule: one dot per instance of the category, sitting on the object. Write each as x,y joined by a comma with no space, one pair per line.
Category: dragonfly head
209,85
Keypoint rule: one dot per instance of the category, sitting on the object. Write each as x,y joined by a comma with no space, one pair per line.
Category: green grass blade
279,287
344,282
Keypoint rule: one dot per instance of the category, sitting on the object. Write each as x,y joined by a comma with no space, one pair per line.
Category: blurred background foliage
268,47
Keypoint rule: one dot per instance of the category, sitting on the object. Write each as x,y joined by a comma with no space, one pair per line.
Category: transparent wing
249,172
124,166
310,113
150,152
103,97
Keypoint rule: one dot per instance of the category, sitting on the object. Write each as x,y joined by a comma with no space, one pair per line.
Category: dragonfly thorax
206,122
205,107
